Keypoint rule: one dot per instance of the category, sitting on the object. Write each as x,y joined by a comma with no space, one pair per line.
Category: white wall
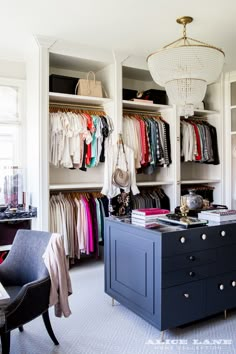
12,69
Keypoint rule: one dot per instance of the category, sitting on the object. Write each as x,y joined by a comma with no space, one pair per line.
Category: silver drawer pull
186,295
203,237
182,239
233,283
192,274
191,258
221,287
223,233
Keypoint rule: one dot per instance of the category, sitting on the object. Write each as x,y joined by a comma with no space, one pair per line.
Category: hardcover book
150,211
218,215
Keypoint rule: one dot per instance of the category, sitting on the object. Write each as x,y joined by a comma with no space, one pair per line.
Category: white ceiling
136,26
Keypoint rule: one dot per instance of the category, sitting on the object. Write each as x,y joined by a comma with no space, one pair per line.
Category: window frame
20,122
19,125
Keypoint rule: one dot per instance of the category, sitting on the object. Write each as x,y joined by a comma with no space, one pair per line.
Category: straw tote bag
89,87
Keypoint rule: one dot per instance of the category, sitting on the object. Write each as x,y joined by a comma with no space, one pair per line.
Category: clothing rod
75,106
73,190
194,117
153,113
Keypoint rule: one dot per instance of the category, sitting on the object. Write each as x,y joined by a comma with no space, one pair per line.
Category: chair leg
48,326
6,340
21,328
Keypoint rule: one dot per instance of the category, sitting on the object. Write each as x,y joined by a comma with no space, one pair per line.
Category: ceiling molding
44,41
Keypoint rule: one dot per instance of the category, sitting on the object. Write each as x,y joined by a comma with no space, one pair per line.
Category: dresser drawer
226,258
197,239
188,274
183,304
191,259
221,293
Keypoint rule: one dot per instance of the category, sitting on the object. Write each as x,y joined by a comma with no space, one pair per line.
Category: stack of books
147,217
218,215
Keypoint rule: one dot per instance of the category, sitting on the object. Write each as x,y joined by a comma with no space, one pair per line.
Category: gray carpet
95,327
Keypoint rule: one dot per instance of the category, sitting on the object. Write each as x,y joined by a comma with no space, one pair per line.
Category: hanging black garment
83,167
105,133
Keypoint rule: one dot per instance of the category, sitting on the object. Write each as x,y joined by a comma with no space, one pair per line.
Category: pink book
150,211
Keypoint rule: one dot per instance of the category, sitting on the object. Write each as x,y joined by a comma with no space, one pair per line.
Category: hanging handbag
121,178
87,87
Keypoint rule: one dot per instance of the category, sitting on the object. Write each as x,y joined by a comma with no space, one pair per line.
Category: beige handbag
87,87
121,178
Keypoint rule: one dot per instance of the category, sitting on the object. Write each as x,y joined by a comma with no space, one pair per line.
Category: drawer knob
192,274
223,233
221,287
191,258
182,239
233,283
203,237
186,295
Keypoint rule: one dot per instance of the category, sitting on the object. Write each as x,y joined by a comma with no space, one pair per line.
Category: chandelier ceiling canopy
185,67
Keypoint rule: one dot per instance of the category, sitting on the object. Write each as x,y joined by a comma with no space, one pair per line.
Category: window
11,141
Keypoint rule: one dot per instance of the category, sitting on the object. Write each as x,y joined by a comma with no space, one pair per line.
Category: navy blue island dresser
168,275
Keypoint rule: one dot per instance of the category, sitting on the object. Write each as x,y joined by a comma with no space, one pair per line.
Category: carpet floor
95,327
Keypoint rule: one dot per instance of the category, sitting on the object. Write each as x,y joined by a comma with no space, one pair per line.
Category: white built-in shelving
144,106
204,112
200,181
76,99
116,71
74,186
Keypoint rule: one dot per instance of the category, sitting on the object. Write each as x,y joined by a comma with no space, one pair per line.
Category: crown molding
44,41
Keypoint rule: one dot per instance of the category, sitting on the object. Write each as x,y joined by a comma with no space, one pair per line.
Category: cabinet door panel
221,292
132,269
182,304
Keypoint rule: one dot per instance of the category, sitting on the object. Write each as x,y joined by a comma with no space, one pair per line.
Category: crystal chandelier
185,67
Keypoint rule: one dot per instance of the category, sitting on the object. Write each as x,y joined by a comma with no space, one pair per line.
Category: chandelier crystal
185,67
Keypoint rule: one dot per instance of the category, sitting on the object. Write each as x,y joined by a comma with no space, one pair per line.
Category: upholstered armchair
26,279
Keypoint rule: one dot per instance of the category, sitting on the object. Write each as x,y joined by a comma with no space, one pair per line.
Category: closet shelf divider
199,181
78,186
204,112
75,99
154,183
144,106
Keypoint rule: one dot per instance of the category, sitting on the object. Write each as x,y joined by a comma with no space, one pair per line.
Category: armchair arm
32,301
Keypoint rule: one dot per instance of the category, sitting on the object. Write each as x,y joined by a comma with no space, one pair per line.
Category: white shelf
232,107
142,106
204,112
157,183
196,181
100,185
75,99
75,186
233,133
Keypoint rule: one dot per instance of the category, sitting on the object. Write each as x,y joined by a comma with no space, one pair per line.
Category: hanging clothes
154,197
149,138
79,217
199,141
77,140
